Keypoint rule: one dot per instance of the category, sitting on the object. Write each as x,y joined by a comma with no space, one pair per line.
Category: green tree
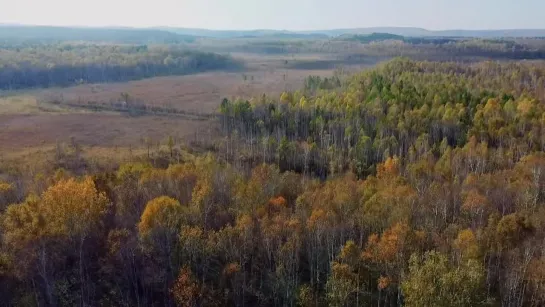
433,281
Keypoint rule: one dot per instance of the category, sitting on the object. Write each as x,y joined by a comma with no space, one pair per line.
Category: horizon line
260,29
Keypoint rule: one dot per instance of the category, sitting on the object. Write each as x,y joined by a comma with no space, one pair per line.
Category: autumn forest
411,183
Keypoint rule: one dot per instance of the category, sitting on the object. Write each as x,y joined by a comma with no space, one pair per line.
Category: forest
64,64
414,183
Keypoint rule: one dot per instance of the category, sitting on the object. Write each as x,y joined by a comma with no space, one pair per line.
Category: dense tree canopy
415,183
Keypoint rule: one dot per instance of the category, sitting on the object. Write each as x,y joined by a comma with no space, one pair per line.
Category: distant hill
368,31
491,33
24,33
419,32
401,31
295,34
368,38
221,33
118,35
243,33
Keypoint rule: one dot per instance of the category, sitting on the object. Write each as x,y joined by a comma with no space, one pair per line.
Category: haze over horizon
280,14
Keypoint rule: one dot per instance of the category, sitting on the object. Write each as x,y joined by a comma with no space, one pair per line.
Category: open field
90,129
29,122
198,93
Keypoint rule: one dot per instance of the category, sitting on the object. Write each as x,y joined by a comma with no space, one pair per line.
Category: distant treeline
46,34
374,37
69,64
396,45
388,45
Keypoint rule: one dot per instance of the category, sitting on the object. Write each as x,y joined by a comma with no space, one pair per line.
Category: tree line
384,45
38,65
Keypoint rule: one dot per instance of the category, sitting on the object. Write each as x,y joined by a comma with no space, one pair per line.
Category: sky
279,14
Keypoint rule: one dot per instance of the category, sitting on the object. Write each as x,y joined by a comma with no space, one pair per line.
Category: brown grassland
29,124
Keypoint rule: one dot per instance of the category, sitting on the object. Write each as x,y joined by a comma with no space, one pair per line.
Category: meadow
37,119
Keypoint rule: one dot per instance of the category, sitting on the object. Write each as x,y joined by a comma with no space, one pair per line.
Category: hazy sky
279,14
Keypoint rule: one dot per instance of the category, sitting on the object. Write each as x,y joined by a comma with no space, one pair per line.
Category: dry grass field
27,125
92,129
199,93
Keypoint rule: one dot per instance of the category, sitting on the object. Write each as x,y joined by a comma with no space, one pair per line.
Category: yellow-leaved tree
73,208
159,228
7,193
161,216
70,210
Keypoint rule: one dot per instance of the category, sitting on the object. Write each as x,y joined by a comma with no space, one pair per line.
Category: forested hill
49,34
24,33
419,32
401,31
